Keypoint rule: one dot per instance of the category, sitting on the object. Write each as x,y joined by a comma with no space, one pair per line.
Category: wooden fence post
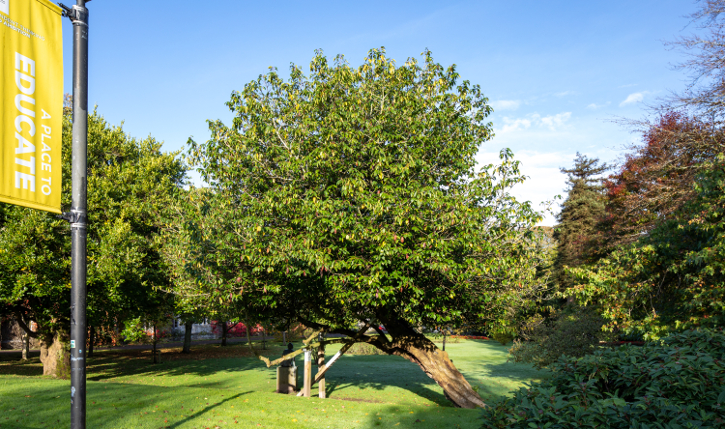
320,365
307,387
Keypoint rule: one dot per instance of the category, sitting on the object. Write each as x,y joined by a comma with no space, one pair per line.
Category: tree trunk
264,337
187,337
433,361
25,338
156,358
91,339
225,329
55,356
444,340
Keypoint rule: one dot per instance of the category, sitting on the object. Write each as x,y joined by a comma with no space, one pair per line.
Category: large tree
671,278
657,176
129,181
579,215
351,196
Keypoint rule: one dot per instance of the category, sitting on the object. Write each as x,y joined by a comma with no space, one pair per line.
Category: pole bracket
77,14
76,218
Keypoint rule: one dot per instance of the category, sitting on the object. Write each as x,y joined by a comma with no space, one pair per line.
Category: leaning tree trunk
187,337
55,356
433,361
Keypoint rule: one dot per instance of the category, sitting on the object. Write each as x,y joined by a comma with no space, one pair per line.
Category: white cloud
627,85
552,122
506,104
564,93
635,97
595,106
514,125
556,121
545,180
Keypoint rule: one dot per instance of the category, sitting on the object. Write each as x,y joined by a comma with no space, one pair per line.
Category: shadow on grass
110,367
47,405
435,417
369,379
207,409
30,368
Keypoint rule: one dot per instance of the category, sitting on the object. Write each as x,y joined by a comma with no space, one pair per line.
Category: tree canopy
352,196
579,215
128,182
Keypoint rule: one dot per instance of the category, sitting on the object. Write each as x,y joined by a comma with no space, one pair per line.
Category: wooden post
320,365
307,386
321,371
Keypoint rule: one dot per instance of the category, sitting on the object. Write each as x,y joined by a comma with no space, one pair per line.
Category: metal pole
78,214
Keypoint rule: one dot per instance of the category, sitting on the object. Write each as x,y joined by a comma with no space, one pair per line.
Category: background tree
351,196
662,224
671,278
657,177
128,181
705,50
579,215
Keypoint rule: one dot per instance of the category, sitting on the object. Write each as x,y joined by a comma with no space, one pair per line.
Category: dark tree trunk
444,340
264,337
225,329
156,357
436,364
187,337
91,339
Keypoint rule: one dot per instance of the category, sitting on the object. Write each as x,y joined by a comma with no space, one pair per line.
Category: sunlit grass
228,388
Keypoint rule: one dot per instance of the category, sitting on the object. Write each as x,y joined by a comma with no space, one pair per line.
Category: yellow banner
31,96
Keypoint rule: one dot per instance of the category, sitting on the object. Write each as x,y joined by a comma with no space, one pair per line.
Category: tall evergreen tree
580,212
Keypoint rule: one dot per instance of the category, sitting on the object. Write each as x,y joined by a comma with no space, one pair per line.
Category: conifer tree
580,212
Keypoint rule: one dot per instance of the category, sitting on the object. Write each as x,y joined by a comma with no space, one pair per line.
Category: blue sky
558,73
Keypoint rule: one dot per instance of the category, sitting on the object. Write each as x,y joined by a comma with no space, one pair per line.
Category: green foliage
671,279
128,182
352,195
502,337
134,331
572,333
364,349
579,215
675,383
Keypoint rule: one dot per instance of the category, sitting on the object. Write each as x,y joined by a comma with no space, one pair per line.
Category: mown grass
217,387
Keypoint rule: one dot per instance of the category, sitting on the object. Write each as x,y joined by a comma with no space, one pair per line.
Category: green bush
502,337
574,334
678,382
364,349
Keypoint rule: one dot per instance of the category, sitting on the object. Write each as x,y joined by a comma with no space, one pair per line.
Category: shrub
502,337
676,382
364,349
575,334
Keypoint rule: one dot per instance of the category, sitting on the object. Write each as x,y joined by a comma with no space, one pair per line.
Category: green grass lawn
125,390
